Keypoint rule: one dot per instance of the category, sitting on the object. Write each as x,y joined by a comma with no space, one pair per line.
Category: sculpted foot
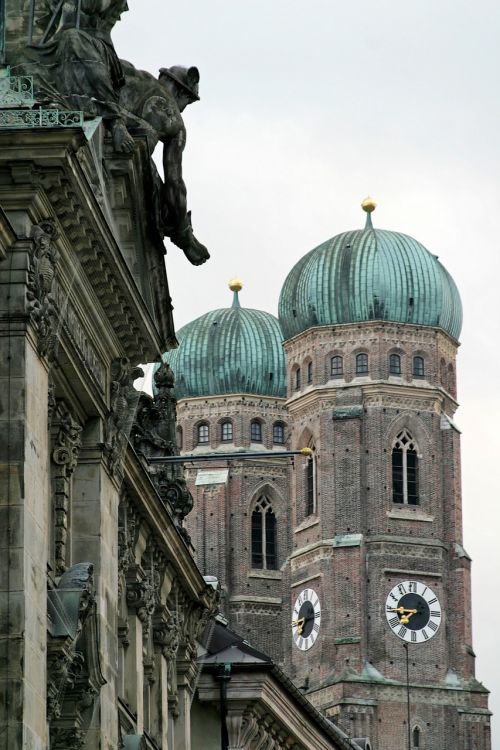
195,252
122,140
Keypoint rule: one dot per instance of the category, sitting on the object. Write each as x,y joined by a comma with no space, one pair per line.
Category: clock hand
300,624
405,614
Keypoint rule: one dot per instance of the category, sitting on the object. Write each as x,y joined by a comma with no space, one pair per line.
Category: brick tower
371,323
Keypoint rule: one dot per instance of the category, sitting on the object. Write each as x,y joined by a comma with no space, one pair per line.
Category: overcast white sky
307,106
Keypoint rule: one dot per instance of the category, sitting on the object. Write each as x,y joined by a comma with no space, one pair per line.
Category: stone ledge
409,515
274,575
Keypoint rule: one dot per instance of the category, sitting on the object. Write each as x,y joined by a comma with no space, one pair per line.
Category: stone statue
79,62
157,104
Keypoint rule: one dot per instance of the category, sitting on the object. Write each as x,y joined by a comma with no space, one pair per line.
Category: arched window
361,364
309,372
203,433
255,431
297,379
418,367
395,364
179,437
226,431
416,738
278,433
310,484
336,366
405,469
264,542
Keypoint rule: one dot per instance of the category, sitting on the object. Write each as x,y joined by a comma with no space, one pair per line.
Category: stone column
24,507
95,533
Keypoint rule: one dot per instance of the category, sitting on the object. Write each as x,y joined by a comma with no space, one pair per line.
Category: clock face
413,611
306,619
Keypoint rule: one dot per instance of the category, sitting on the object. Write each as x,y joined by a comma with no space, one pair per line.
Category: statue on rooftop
79,65
157,104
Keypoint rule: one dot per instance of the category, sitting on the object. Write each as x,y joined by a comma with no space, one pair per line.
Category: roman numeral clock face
413,611
306,619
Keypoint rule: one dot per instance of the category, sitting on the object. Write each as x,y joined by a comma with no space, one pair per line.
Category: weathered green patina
369,274
231,350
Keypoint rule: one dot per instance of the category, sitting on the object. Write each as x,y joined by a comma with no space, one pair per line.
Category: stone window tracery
361,364
418,367
405,469
336,366
256,431
226,430
264,537
203,433
394,364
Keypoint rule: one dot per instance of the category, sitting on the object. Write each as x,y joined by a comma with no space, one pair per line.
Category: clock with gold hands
413,611
306,619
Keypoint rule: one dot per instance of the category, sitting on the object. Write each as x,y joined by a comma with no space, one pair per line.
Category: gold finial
236,285
306,452
369,205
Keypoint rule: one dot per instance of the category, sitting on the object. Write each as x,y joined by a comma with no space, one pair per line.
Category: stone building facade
370,322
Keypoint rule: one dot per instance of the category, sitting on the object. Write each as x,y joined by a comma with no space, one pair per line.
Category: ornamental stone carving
41,273
74,677
123,402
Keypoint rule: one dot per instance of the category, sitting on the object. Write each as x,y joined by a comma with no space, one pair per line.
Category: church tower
347,568
378,571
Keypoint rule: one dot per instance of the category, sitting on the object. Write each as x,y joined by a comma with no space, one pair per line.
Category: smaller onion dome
231,350
369,274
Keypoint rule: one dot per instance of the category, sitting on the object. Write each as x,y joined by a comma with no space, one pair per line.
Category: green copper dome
232,350
369,274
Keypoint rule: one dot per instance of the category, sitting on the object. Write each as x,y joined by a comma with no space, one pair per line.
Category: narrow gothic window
297,379
278,433
203,433
418,367
264,544
416,737
361,364
310,487
227,431
309,372
336,366
395,364
405,470
179,438
256,431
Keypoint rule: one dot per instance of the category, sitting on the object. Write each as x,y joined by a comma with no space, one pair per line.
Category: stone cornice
149,504
376,326
51,168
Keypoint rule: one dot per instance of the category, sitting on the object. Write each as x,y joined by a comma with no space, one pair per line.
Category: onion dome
232,350
369,274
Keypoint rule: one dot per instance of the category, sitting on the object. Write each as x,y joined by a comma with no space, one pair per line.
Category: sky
307,107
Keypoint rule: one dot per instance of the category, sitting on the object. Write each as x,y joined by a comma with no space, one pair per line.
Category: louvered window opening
256,432
264,542
278,433
361,364
405,470
418,367
203,433
310,488
336,367
395,364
